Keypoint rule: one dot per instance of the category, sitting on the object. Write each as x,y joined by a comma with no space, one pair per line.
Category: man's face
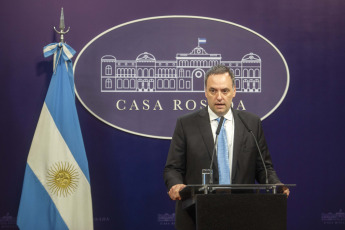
219,93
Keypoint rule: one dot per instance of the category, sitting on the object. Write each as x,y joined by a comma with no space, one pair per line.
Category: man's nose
219,95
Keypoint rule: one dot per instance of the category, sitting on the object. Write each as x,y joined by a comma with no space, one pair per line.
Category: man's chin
220,113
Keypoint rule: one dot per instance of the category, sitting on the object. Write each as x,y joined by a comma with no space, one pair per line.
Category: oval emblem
140,76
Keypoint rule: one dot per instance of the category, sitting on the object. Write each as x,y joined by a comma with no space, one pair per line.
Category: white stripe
49,48
66,50
48,148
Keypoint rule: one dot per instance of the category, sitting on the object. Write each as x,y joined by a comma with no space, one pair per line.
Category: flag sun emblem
63,179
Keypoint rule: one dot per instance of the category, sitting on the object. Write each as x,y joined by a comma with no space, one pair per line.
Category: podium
237,207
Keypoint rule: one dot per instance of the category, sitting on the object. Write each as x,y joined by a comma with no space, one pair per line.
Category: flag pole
62,27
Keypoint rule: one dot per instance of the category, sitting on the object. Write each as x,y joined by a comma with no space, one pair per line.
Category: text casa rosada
122,104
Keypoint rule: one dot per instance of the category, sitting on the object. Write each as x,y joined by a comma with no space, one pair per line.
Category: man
193,141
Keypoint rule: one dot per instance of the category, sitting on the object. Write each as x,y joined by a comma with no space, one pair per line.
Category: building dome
146,57
251,57
108,58
198,51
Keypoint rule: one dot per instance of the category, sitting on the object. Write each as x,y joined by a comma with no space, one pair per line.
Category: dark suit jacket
191,151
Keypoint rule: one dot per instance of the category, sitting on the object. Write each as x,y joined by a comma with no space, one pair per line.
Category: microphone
257,145
220,125
216,141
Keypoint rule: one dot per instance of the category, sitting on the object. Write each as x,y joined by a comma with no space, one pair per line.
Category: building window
108,70
160,84
251,73
166,84
145,72
257,73
108,83
146,84
172,84
238,84
181,73
151,72
132,84
130,72
140,72
251,84
119,83
257,84
151,84
245,84
125,84
119,72
188,85
140,84
181,84
245,73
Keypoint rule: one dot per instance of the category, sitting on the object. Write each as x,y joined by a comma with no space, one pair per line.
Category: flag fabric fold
56,190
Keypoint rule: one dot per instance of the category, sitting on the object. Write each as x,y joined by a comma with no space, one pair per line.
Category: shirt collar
213,116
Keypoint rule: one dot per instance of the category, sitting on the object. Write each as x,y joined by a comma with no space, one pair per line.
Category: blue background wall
305,134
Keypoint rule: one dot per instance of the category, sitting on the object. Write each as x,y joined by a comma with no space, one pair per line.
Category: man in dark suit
193,141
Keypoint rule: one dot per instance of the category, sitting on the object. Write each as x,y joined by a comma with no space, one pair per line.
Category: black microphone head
220,125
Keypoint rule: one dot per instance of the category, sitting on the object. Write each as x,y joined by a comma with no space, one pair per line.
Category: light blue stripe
202,40
37,211
60,101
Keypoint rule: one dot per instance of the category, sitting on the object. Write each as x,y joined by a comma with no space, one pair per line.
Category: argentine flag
56,190
202,41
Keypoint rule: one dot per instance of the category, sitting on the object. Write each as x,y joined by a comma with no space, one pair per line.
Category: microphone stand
258,147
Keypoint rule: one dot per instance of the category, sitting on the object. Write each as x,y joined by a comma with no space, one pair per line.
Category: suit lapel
238,141
206,132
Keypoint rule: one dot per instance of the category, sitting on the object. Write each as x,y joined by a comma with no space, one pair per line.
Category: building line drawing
338,216
184,74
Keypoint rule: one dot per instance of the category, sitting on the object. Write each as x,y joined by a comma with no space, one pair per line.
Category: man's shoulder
248,116
190,116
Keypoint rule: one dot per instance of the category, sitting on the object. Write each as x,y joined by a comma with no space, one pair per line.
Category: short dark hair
220,69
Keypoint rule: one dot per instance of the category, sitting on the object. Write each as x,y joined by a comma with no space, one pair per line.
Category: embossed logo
141,75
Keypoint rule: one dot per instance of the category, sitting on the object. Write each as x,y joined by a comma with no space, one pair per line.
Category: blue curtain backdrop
305,134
